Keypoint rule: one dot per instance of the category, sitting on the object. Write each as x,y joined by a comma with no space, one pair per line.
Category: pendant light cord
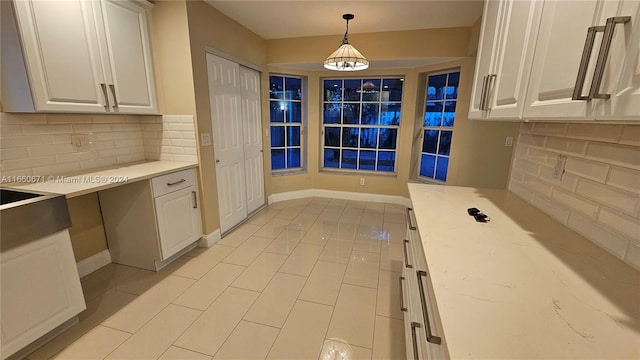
346,34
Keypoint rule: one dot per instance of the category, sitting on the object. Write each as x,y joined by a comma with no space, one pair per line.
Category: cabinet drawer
171,182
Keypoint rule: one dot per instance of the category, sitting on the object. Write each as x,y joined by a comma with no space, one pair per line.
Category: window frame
439,129
302,125
359,125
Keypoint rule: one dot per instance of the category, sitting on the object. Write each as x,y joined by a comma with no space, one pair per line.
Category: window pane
386,160
370,114
388,138
449,113
277,111
350,113
294,111
332,136
433,114
277,159
437,83
371,90
277,136
293,87
276,90
350,137
441,168
445,142
427,165
392,90
430,143
293,158
332,113
332,158
390,114
349,159
332,90
352,90
367,160
452,85
293,135
368,138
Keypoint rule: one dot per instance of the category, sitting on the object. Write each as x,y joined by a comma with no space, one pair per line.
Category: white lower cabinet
423,329
40,290
148,222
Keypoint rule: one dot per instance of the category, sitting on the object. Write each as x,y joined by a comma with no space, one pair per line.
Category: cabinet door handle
106,97
607,38
584,62
414,325
487,95
402,307
195,199
115,98
427,325
176,182
406,257
411,226
483,91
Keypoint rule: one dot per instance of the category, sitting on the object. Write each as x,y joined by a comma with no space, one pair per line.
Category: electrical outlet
82,142
558,169
205,139
361,181
508,142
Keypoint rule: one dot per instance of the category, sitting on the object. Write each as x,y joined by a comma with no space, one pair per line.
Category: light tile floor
296,274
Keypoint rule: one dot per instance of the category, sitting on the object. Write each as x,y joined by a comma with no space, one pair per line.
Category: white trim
235,59
93,263
347,195
209,239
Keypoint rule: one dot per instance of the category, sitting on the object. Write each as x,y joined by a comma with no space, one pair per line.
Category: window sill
357,172
288,172
427,181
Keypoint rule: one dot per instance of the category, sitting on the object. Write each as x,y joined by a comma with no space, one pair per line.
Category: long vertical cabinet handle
402,307
487,94
195,199
427,325
411,226
115,98
584,62
414,325
485,79
607,38
106,96
406,256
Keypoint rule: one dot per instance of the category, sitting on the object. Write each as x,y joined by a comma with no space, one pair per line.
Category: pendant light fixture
346,58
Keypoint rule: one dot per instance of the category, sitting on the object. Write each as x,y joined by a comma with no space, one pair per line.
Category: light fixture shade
346,58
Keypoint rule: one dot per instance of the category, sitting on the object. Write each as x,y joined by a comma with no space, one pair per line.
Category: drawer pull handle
487,94
610,26
402,307
411,226
483,92
115,98
195,200
427,325
176,182
106,97
414,325
406,257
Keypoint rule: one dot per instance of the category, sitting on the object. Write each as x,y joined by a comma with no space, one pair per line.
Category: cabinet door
621,78
130,74
60,45
557,56
518,30
178,220
40,290
486,50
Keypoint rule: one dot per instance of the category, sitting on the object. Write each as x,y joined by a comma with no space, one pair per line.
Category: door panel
178,224
252,133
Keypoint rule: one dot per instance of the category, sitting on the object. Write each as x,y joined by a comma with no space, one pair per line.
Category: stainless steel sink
27,216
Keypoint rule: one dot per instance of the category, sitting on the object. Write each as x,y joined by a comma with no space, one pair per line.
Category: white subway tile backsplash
50,149
57,169
10,130
96,163
45,129
89,128
113,152
25,164
623,155
74,157
26,140
603,194
61,138
590,169
70,118
14,153
604,237
123,159
599,192
21,119
620,223
108,119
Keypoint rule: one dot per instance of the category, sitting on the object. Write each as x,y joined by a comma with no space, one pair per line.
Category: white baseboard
209,239
93,263
347,195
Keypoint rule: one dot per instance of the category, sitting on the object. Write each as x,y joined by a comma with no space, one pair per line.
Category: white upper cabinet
508,31
80,56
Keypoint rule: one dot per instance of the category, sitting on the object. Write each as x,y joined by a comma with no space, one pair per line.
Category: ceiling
297,18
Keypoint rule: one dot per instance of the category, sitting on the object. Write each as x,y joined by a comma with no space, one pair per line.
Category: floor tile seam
184,348
234,327
305,284
261,324
375,319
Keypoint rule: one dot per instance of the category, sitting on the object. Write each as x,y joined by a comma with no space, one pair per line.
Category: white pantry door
251,122
228,140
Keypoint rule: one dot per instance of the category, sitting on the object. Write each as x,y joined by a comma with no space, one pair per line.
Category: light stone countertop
522,286
96,180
